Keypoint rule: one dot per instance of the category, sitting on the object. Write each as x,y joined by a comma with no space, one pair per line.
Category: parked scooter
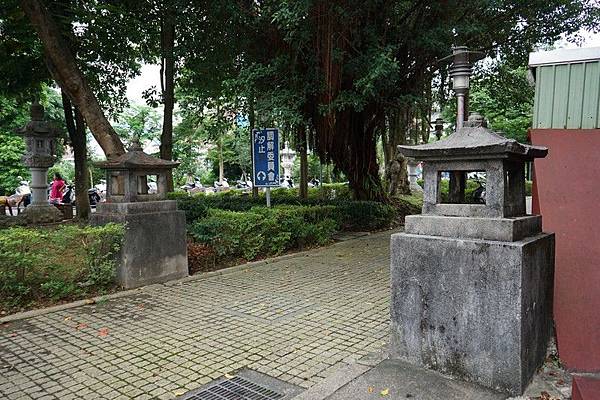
286,182
192,187
94,196
244,186
314,182
69,195
221,186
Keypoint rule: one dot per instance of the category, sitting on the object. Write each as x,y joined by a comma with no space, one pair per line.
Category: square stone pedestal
479,310
154,248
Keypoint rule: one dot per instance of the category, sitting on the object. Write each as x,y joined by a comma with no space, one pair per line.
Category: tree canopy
348,72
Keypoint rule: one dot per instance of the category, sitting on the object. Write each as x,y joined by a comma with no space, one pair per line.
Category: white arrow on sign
261,175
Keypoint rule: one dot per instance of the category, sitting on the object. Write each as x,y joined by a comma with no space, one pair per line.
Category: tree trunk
82,183
221,161
302,148
67,74
252,122
167,44
396,133
76,129
358,156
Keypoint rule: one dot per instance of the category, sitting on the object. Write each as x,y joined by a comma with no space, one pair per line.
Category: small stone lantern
472,278
40,154
154,248
127,176
439,128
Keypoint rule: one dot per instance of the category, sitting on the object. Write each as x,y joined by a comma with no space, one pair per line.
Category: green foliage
504,96
262,231
196,205
242,226
66,169
12,147
138,121
56,263
348,214
193,208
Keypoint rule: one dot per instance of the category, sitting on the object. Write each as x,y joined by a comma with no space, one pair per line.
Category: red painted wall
585,388
567,192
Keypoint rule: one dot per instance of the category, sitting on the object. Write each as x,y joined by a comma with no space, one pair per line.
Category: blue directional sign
265,157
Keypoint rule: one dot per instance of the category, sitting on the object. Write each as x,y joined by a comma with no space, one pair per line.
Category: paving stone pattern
293,319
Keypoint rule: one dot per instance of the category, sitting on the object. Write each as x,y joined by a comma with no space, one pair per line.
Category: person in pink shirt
57,189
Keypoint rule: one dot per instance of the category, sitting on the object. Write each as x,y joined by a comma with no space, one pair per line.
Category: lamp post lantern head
461,68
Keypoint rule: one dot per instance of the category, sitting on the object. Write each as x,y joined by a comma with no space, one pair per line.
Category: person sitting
57,189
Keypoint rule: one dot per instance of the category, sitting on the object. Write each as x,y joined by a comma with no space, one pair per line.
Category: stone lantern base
42,214
480,310
154,248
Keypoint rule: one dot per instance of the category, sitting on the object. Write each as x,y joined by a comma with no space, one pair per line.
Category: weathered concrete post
154,248
472,283
40,140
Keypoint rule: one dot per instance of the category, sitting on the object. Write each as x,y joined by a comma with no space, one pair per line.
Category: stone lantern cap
135,158
37,126
40,140
473,142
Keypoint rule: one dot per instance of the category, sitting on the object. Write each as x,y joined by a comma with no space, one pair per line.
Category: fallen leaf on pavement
90,301
545,396
81,326
179,392
68,318
228,376
103,332
370,389
385,392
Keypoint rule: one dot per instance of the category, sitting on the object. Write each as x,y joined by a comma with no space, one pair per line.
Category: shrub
348,214
56,262
365,215
263,231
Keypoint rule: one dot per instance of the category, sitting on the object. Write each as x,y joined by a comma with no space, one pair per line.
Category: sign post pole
265,159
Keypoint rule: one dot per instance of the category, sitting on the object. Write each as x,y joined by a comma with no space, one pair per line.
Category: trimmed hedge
264,231
271,231
54,263
350,214
238,225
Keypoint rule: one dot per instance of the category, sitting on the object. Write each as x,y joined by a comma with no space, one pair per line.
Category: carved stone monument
154,248
40,154
472,283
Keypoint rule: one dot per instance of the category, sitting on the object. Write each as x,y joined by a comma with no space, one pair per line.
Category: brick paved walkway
293,319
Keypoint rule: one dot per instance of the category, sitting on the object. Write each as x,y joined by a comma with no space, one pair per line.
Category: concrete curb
340,374
145,289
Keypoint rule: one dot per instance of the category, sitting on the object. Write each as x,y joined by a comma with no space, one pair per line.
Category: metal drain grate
236,388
